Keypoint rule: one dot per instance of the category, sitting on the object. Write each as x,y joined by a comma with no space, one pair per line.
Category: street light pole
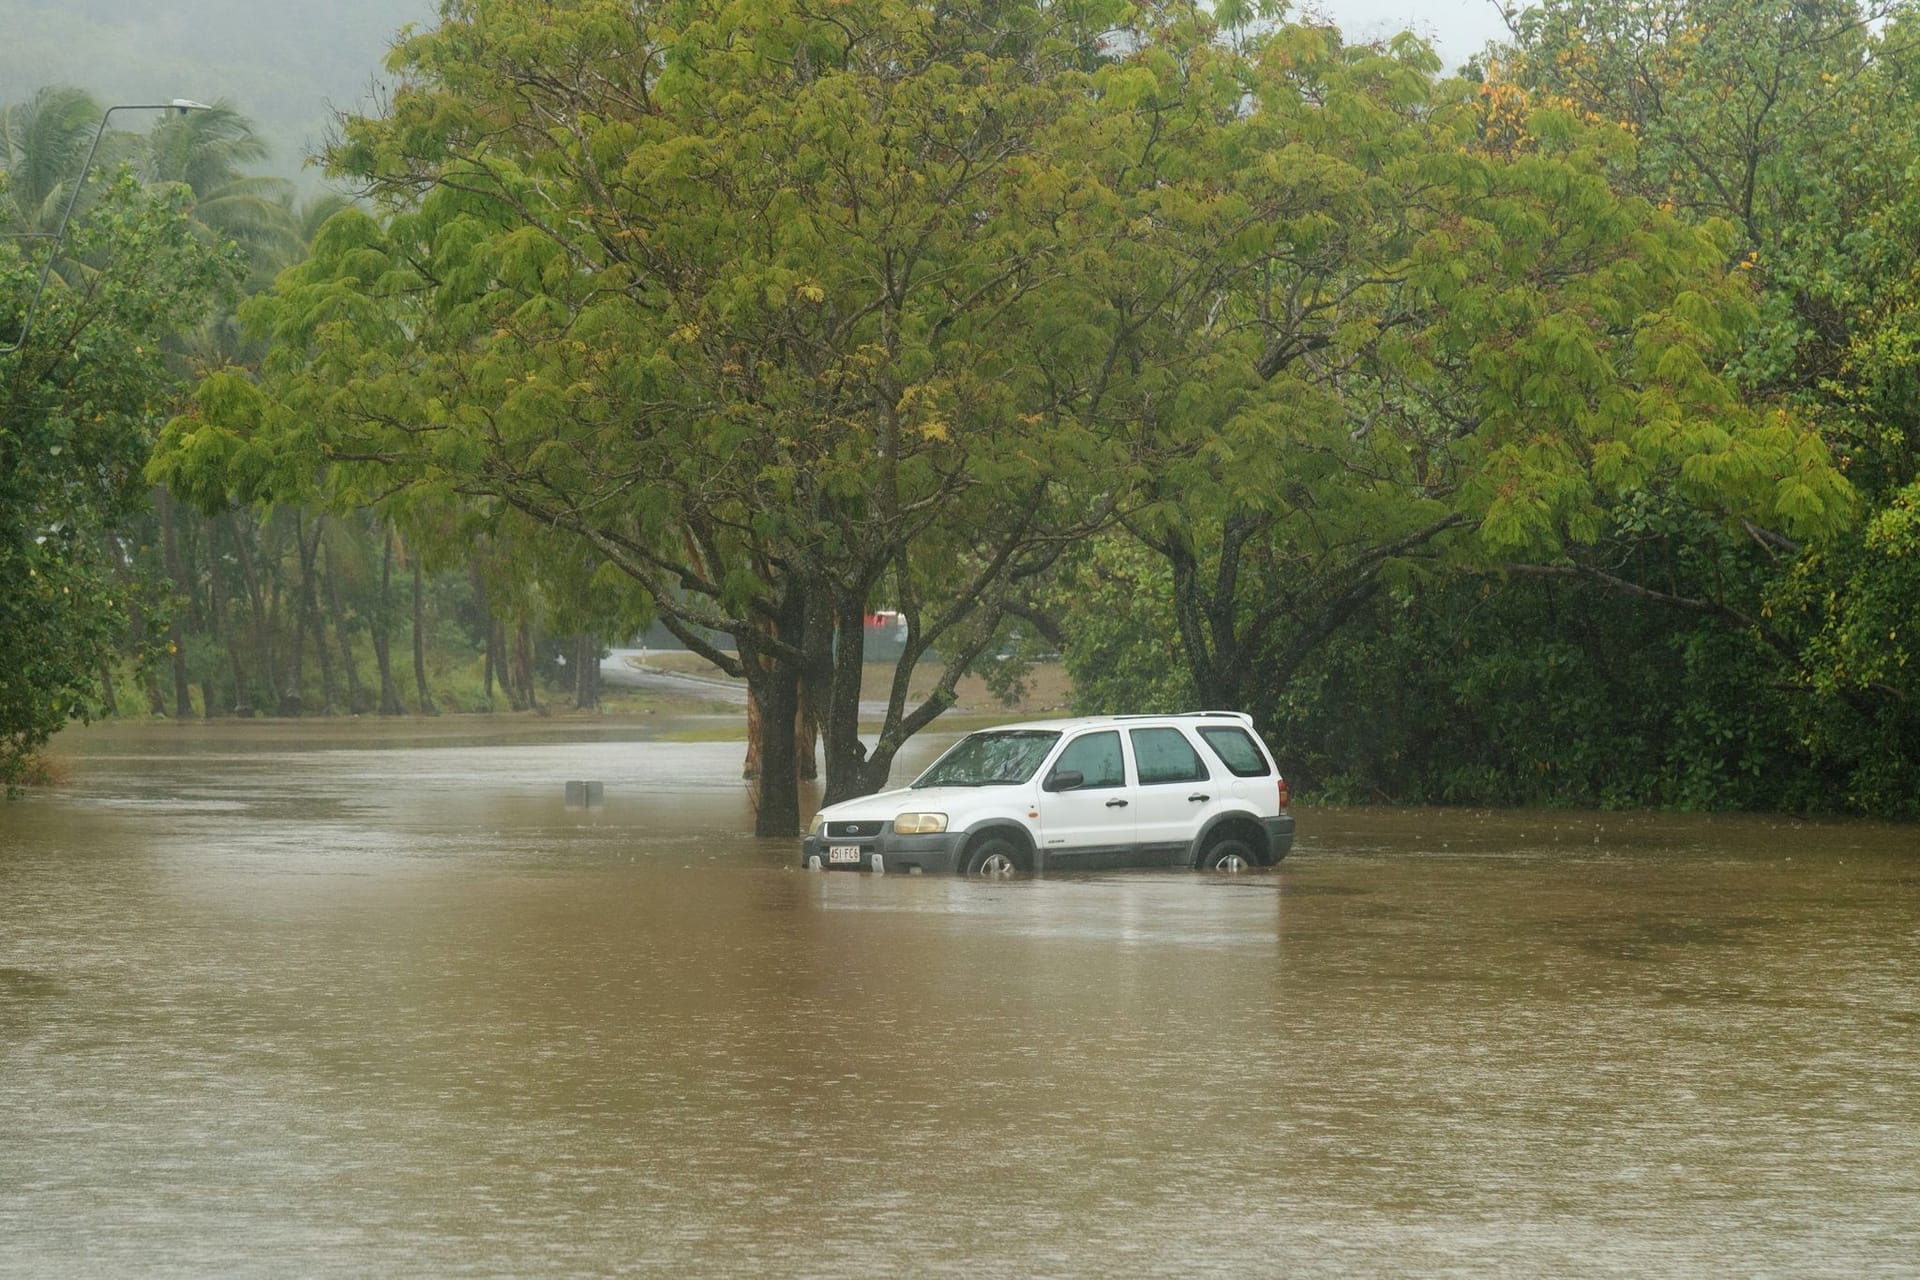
180,106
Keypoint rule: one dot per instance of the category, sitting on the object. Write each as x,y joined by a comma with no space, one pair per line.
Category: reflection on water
321,1004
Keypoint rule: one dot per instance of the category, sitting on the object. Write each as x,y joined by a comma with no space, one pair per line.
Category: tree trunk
837,671
263,663
343,634
145,675
176,632
306,618
775,689
108,698
420,641
382,616
756,734
292,693
773,685
212,700
524,677
150,685
310,599
224,635
586,672
485,607
901,721
504,665
806,737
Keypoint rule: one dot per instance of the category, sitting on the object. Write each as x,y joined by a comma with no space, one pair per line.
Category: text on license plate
843,853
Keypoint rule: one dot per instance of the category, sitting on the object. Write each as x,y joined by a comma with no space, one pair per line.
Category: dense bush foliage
78,396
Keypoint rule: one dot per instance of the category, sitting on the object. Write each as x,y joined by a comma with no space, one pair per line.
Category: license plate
843,853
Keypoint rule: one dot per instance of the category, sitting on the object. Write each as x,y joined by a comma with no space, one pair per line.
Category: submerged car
1191,790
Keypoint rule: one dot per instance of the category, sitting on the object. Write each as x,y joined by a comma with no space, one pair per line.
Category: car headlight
919,824
819,824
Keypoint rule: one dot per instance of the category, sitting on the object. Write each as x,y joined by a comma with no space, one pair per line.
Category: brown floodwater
368,1000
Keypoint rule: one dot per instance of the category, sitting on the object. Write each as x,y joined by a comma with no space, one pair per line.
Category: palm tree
42,141
208,151
45,145
313,213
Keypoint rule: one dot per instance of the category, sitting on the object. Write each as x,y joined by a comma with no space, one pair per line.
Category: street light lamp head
184,105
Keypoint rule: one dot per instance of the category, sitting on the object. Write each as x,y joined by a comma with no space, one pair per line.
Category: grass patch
713,733
42,770
1049,690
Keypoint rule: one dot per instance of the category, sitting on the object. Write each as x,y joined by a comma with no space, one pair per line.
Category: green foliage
77,403
1794,124
1542,439
1443,337
1121,653
42,141
767,307
1547,694
1854,610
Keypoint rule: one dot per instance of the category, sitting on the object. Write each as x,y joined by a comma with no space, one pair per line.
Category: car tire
1230,855
995,858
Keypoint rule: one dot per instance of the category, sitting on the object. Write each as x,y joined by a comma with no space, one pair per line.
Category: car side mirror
1066,780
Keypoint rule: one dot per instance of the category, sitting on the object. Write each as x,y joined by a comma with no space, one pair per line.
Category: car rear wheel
1229,854
994,858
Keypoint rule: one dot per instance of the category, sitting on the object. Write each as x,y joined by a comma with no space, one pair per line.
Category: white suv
1195,790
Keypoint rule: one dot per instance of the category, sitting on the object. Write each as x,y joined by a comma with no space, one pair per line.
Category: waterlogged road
372,1001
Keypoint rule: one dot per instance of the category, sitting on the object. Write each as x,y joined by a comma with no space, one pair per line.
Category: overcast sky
1457,29
288,63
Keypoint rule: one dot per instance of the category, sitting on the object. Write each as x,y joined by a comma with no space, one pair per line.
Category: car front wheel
995,858
1230,854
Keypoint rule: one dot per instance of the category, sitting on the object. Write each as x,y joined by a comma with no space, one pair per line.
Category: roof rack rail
1174,715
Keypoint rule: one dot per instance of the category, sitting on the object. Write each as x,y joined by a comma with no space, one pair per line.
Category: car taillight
1286,796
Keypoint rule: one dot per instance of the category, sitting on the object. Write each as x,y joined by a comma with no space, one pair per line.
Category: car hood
885,804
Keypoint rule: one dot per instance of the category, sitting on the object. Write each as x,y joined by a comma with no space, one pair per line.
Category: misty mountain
289,66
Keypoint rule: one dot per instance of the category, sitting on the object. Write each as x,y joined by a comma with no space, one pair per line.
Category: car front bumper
912,854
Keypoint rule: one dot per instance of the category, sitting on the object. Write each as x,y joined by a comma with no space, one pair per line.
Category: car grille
854,830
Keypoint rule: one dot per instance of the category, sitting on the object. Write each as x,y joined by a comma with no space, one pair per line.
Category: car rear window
1165,755
1237,750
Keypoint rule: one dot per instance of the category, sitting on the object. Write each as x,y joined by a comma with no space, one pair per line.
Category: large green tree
784,312
214,153
1452,336
78,403
42,141
1795,124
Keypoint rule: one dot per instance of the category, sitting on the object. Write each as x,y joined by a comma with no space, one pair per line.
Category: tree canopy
79,402
1792,123
783,313
787,313
1454,336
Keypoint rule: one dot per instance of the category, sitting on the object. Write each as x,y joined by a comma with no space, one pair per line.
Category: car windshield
996,758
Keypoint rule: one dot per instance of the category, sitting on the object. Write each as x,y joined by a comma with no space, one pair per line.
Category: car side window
1165,755
1097,757
1237,750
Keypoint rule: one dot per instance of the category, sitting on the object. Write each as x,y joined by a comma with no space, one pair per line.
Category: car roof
1074,724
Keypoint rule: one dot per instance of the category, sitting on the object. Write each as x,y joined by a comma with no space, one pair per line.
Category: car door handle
1116,804
1199,797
